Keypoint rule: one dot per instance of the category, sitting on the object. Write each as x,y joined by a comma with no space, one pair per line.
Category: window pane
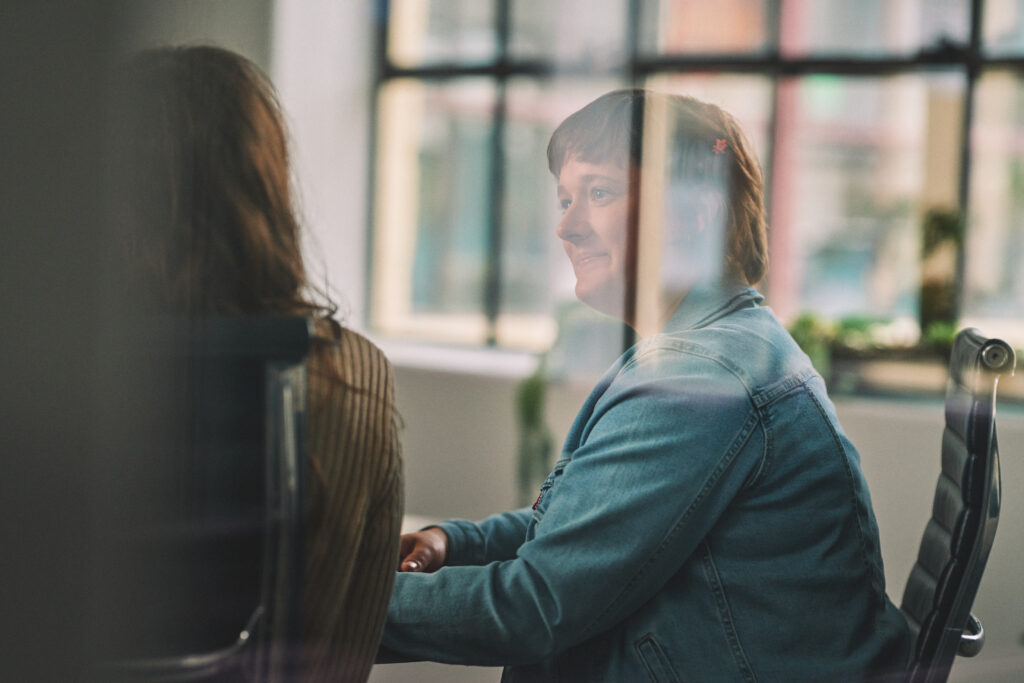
431,209
698,26
433,31
857,162
1003,30
569,31
870,27
994,276
747,98
537,278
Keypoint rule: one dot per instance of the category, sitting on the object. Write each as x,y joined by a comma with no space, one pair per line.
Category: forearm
491,615
493,539
612,526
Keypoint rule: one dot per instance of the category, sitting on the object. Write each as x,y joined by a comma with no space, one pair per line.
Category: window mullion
492,294
972,67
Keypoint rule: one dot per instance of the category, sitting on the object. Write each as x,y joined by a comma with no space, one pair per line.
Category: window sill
461,360
903,374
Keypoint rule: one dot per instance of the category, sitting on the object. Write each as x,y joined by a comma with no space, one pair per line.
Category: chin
610,301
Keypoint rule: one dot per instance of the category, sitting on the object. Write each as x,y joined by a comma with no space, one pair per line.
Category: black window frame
968,58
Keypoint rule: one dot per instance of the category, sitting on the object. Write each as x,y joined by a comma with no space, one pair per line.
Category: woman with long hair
214,231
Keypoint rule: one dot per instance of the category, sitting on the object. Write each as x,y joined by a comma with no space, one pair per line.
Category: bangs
607,131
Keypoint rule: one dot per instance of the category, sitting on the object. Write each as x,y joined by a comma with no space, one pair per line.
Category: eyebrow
599,177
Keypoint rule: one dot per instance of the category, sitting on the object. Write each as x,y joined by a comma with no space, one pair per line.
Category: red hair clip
720,145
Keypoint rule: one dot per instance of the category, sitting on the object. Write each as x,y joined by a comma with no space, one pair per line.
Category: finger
407,544
419,560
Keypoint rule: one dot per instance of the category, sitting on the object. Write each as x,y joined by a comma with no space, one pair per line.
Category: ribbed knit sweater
355,508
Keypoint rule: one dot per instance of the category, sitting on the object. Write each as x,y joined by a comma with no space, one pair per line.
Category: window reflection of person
707,518
214,231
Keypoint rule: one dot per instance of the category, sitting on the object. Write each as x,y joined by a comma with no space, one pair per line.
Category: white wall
322,68
317,53
244,26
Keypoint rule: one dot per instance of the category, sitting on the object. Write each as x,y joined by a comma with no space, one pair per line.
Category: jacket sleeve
496,538
656,466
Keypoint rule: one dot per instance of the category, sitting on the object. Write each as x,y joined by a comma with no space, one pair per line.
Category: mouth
583,261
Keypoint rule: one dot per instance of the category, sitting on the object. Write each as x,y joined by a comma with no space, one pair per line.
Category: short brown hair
706,141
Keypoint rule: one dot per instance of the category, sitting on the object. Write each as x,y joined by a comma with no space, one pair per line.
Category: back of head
708,165
208,186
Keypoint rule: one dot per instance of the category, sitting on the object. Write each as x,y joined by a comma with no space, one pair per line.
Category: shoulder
750,346
352,398
354,359
360,348
671,380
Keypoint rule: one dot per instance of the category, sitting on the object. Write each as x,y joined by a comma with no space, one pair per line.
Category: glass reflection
538,305
431,204
695,26
851,179
424,32
1003,29
870,27
994,279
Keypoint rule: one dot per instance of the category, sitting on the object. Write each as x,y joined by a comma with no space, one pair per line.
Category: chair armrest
973,637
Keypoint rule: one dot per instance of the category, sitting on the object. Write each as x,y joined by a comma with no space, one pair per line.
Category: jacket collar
707,302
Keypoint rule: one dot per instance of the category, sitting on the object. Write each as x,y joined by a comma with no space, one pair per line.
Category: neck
651,321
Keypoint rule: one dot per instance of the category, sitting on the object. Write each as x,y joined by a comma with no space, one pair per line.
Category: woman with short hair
707,519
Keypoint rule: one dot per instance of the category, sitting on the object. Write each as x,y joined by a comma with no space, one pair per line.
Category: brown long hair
212,215
707,145
210,211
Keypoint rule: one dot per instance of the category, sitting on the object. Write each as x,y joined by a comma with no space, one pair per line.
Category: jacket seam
760,398
741,438
725,614
697,351
767,423
766,453
864,550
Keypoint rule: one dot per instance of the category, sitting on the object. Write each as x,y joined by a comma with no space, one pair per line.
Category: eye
564,204
599,194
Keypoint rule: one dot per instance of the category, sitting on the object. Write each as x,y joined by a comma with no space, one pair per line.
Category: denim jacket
707,521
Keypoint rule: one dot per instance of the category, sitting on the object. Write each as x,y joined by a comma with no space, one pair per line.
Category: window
867,116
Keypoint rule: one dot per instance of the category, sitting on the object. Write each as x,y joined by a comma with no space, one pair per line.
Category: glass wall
869,117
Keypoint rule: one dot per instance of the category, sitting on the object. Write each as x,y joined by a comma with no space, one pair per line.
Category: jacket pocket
656,662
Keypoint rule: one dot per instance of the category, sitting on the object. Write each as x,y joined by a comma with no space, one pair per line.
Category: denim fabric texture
707,520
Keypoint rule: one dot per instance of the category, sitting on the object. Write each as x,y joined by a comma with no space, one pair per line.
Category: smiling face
594,198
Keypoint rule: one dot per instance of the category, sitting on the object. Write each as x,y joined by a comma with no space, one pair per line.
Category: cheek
617,231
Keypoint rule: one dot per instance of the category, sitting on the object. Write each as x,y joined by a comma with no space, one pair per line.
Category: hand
423,551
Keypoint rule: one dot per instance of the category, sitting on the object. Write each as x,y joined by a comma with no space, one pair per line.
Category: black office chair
206,559
957,539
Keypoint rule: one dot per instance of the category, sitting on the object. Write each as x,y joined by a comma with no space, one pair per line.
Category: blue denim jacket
707,521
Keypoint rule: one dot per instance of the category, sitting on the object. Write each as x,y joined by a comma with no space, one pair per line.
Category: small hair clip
720,145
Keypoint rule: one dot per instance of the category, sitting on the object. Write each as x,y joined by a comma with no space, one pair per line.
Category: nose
573,227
